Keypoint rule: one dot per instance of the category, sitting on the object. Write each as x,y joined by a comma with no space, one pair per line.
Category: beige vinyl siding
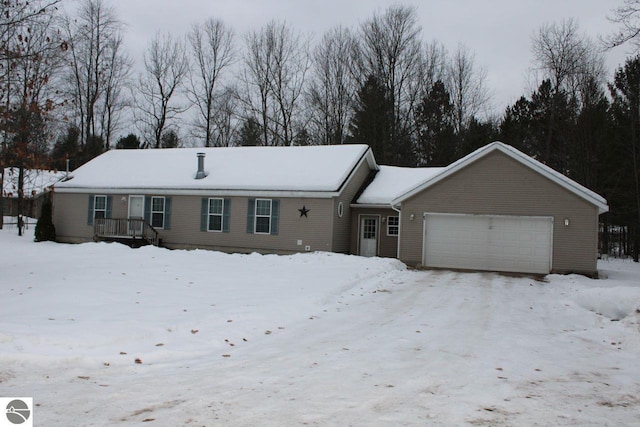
496,184
70,214
70,219
341,226
311,230
387,245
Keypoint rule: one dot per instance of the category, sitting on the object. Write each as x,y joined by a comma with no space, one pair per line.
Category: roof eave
522,158
371,205
320,194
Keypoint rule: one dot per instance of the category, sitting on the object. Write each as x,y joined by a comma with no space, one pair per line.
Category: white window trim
255,216
164,206
340,209
95,199
221,215
396,226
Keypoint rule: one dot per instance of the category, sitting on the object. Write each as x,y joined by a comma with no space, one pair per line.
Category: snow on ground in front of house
315,339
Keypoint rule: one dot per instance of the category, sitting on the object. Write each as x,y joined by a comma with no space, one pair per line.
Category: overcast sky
497,31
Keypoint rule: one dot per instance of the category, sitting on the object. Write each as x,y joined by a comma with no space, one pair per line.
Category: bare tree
17,18
331,88
291,63
467,87
224,119
275,66
33,57
212,51
16,15
256,73
166,65
435,64
570,60
573,64
628,17
98,67
115,79
390,49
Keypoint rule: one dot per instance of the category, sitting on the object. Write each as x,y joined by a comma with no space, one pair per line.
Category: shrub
45,230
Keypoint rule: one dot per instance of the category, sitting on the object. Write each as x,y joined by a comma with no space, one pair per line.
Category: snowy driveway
315,339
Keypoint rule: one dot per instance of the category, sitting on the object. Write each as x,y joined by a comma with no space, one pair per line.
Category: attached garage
488,242
498,209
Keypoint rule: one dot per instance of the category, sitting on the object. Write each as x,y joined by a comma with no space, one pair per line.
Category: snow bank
616,303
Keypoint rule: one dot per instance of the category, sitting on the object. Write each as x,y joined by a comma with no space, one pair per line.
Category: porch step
129,241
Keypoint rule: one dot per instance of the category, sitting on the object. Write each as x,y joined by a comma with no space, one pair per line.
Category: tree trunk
636,227
604,237
1,196
20,199
636,243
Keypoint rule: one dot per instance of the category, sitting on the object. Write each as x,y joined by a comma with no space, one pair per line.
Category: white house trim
200,192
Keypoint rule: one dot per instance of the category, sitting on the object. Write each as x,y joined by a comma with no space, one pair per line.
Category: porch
129,231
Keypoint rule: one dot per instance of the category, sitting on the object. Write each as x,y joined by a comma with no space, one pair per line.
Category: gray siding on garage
498,184
387,245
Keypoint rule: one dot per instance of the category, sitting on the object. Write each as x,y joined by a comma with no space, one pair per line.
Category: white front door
136,207
369,236
136,211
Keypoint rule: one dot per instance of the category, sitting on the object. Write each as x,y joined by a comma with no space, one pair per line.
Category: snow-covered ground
100,334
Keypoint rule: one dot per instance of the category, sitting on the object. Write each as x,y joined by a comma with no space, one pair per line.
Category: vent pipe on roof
201,173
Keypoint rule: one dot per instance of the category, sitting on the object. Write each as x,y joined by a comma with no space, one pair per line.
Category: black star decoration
304,211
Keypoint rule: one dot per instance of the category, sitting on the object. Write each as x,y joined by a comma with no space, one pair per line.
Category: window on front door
369,228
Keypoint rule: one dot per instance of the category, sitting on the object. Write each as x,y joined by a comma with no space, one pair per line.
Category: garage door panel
485,242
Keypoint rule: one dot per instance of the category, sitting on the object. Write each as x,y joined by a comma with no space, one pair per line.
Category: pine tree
45,230
129,142
475,135
371,121
436,145
250,133
67,146
625,92
541,126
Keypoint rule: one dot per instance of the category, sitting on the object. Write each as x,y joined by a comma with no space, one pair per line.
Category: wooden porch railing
125,228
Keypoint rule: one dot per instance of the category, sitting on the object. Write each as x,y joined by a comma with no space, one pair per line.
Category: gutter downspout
399,228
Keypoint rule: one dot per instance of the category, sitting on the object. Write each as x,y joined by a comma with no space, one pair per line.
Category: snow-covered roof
229,169
393,181
35,182
520,157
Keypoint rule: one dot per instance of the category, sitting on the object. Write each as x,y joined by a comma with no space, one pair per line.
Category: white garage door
484,242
